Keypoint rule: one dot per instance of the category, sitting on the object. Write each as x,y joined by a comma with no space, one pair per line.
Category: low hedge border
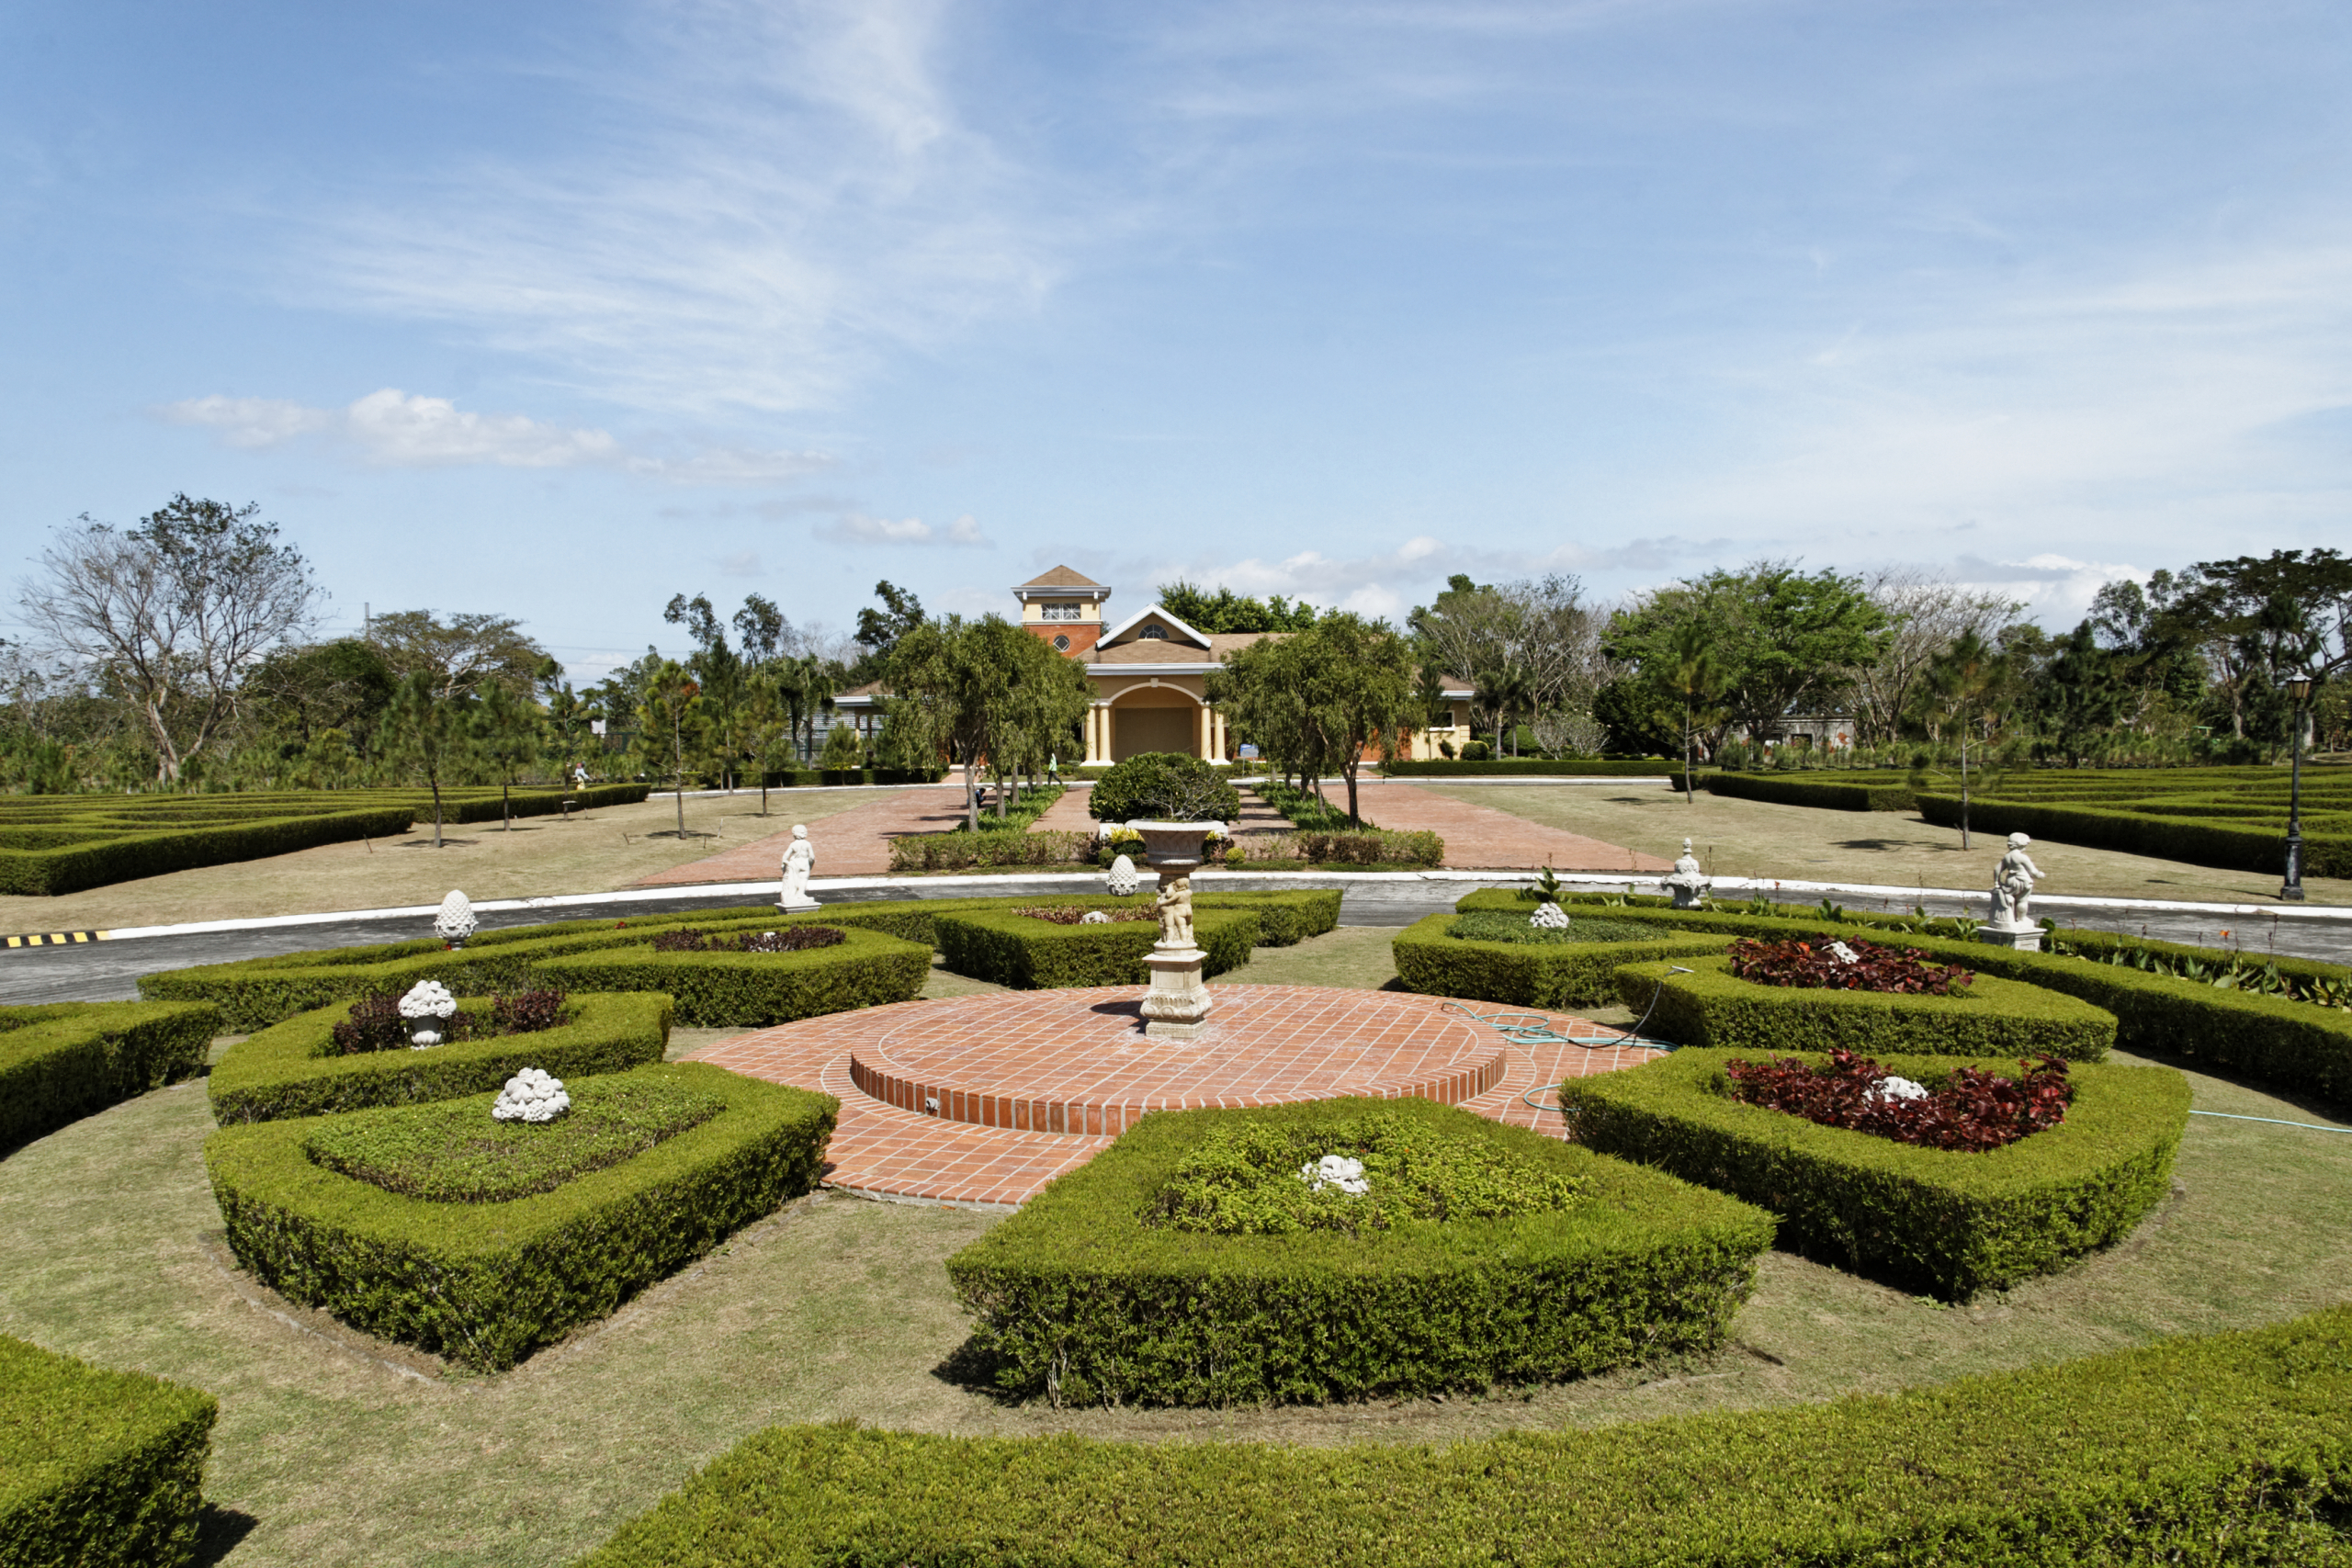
287,1071
1959,1222
2300,1047
2198,841
98,1468
1570,767
2225,1449
1078,1301
1796,790
486,1284
1030,954
1531,974
71,868
1988,1017
60,1062
867,968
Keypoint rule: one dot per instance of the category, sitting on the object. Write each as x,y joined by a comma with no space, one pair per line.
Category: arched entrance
1155,719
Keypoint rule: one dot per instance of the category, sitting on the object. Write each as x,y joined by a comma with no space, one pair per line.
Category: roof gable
1133,630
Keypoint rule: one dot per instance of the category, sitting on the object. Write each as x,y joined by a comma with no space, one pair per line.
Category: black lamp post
2298,688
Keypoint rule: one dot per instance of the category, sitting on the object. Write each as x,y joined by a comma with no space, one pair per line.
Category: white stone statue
1094,917
1124,879
1893,1087
531,1096
1549,917
1175,904
2013,888
456,922
799,860
1687,882
1334,1170
425,1005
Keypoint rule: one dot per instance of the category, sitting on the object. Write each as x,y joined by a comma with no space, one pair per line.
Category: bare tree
1533,642
1929,613
172,612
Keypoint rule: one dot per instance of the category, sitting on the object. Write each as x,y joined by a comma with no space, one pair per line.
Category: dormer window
1061,610
1154,633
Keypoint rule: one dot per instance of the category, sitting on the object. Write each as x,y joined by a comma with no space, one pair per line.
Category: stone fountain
1179,1001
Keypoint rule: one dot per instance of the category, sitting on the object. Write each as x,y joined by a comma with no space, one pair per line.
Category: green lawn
341,1451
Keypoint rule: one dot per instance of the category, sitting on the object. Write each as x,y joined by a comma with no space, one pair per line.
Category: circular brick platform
1077,1061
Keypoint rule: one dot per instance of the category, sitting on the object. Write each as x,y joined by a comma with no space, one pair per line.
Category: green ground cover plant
1433,959
293,1069
989,849
487,1283
1284,919
1499,925
2228,1449
98,1468
1030,954
1706,1004
448,1152
1958,1222
1081,1299
62,1061
2304,1047
867,968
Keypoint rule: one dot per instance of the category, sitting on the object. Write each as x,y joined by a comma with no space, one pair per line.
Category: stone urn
1178,1003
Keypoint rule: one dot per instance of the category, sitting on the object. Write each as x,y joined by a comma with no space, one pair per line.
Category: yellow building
1149,673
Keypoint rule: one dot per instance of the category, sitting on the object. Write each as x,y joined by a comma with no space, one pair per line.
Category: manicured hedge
1028,954
62,1061
867,969
486,1284
286,1070
2300,1047
1078,1299
2227,1449
1565,767
98,1469
2199,841
1797,790
1532,975
1957,1222
1988,1017
1283,917
99,858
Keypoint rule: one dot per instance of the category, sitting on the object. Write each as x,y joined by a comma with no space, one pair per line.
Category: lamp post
2298,689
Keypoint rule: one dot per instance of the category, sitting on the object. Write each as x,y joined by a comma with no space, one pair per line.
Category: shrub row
1794,790
1989,1017
989,849
1958,1222
486,1284
2195,840
868,969
1078,1299
72,867
65,1060
1033,955
98,1469
2225,1449
288,1069
1566,975
1377,846
2297,1047
1564,767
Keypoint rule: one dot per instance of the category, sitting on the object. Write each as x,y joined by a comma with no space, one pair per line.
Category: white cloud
393,429
2056,590
857,528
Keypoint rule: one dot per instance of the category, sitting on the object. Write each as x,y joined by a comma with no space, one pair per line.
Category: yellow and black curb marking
56,938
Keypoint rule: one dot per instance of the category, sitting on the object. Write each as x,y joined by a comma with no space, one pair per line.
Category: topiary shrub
1163,786
1959,1222
486,1283
98,1469
1701,1002
67,1060
1569,1263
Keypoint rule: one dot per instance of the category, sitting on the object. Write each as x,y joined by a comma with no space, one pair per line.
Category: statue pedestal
1179,1001
2025,939
790,904
1685,896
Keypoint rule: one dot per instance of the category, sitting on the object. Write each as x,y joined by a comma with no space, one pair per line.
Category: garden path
856,843
1483,838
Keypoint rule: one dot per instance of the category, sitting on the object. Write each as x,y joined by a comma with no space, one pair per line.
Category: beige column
1217,735
1096,752
1207,740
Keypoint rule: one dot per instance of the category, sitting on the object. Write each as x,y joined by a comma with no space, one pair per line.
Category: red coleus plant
1974,1109
1819,964
792,939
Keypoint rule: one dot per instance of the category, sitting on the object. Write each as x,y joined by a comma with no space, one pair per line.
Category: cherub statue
2013,887
1175,904
799,860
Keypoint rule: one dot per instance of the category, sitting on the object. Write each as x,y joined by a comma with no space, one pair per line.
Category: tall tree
670,728
462,654
1532,642
878,631
1696,677
172,611
506,735
428,731
1325,696
1926,613
1226,611
957,685
1965,684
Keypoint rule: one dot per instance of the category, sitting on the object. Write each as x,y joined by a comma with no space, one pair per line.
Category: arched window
1154,633
1061,644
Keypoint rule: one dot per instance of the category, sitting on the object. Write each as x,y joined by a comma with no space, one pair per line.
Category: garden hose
2274,1122
1535,1028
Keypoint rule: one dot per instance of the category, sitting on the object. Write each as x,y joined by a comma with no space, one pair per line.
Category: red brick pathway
1374,1042
856,843
1480,837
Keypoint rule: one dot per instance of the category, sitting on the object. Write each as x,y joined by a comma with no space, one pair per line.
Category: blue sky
560,310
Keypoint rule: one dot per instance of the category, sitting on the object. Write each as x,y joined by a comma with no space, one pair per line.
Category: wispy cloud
396,430
771,199
857,528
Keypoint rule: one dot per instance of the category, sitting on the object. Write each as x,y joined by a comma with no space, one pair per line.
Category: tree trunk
680,797
505,808
1963,787
971,795
434,778
1347,770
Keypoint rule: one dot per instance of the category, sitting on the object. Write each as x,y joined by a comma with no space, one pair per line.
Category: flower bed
1431,957
1974,1109
1028,953
864,968
377,1023
1839,964
792,939
486,1283
1079,914
1701,1002
1956,1222
1495,925
1087,1296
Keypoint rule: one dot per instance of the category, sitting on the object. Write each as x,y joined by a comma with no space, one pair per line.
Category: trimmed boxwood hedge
1788,789
867,969
1077,1299
1988,1017
62,1061
1522,767
2199,841
286,1070
2230,1449
1030,954
2300,1047
486,1284
98,856
98,1469
1957,1222
1546,975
